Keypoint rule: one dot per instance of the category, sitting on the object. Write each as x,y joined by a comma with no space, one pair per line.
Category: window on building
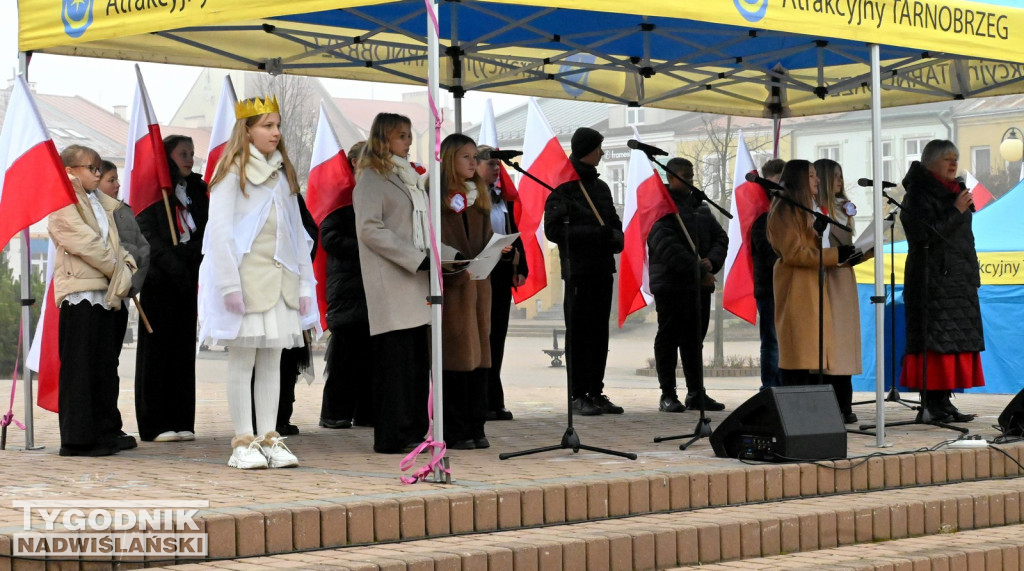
981,161
912,150
829,152
617,182
888,161
635,115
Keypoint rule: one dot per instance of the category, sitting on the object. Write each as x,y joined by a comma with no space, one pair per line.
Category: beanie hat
584,141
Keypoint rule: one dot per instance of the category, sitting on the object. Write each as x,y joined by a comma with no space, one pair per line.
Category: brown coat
796,291
841,284
466,318
396,291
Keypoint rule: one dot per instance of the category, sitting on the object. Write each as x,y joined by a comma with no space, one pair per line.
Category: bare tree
299,99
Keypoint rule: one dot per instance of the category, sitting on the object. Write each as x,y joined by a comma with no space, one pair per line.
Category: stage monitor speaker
780,424
1011,421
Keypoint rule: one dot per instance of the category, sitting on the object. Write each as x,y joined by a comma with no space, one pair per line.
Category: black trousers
588,304
348,388
465,405
682,329
841,385
501,300
165,363
401,385
88,383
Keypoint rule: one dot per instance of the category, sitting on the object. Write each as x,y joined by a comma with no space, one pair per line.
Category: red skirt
946,371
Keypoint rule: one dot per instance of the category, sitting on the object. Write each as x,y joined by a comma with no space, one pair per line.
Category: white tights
267,389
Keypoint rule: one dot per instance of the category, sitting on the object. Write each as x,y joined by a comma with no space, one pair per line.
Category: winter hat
584,141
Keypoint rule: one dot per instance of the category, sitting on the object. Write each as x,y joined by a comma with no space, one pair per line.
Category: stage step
907,524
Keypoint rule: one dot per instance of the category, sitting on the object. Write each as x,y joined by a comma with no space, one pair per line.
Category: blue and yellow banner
996,268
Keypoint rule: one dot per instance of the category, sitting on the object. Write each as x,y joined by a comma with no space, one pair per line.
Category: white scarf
260,168
420,220
472,193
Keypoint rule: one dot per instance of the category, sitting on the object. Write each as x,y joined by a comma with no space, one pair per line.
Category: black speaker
779,424
1011,421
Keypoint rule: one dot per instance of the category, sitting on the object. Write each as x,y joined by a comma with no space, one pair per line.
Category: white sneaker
277,452
186,436
247,456
169,436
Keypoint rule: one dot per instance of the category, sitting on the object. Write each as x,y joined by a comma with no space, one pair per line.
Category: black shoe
125,441
954,412
849,418
481,442
605,405
584,406
500,414
468,444
287,430
670,403
90,452
693,402
328,423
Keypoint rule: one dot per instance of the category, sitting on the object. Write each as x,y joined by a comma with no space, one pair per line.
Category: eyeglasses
92,168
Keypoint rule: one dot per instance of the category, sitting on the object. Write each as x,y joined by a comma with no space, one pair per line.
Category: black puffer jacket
764,258
170,266
672,261
950,266
346,299
592,247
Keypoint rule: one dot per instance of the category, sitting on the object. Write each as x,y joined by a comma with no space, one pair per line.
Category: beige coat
84,261
396,291
796,291
466,319
841,284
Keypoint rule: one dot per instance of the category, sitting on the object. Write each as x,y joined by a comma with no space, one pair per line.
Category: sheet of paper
866,241
485,261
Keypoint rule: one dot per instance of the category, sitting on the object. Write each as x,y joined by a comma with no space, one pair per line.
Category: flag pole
26,313
142,314
170,224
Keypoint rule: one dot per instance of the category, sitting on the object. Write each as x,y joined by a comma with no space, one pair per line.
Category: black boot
669,402
932,402
948,407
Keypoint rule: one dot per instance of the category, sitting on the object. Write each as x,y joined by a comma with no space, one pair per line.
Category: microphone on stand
768,185
869,182
963,188
649,150
504,155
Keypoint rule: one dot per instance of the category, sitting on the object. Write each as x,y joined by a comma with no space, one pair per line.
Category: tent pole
876,195
435,222
456,67
26,315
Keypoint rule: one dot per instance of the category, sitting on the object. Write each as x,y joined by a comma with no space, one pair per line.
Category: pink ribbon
438,115
409,461
8,418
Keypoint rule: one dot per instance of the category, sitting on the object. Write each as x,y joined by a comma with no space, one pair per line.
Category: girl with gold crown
256,285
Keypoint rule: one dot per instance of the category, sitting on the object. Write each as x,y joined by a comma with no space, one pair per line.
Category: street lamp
1012,146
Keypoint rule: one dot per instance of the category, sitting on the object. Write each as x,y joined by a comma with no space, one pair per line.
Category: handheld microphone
503,155
650,150
765,183
963,188
869,182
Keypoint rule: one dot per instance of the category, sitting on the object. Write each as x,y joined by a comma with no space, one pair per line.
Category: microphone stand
924,416
570,439
893,395
703,428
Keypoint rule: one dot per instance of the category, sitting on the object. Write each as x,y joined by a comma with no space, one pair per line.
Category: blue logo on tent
77,16
752,10
580,77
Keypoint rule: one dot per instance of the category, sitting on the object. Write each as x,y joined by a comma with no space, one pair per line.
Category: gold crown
256,106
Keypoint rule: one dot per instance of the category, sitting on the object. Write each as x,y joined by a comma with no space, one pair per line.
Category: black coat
950,265
175,267
570,223
346,299
764,258
513,263
672,260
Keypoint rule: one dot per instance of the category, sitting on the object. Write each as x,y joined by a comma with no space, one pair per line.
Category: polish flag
145,163
223,123
33,182
330,187
489,136
44,354
982,196
749,201
647,201
544,158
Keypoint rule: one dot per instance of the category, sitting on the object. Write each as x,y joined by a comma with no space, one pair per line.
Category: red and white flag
544,158
33,182
330,187
982,196
223,123
749,201
145,163
44,355
647,201
489,136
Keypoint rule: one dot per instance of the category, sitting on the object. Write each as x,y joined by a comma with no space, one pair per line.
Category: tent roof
740,57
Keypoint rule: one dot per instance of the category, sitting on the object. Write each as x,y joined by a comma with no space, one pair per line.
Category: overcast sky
110,82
